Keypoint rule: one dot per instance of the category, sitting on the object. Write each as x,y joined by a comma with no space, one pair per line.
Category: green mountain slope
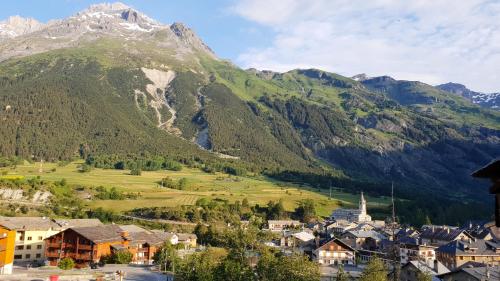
163,92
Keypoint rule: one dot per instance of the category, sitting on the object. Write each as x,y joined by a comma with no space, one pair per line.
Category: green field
200,184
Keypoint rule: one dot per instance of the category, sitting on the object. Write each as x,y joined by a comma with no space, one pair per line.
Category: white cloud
434,41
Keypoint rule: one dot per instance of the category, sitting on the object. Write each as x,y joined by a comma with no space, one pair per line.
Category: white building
353,215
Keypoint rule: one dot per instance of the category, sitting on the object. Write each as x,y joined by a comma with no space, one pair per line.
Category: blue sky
434,41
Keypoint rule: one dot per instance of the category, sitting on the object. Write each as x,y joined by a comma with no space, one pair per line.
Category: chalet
441,235
187,239
412,269
280,225
87,245
334,252
457,253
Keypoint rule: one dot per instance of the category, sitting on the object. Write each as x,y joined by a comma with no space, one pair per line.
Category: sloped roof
186,236
304,236
337,241
463,248
367,234
429,267
478,273
69,223
130,228
442,233
28,223
100,234
146,237
489,171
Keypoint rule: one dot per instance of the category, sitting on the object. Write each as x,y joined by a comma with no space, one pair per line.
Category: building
353,215
280,225
30,235
69,223
441,235
7,244
188,240
482,273
335,252
414,251
338,227
359,239
412,269
457,253
85,245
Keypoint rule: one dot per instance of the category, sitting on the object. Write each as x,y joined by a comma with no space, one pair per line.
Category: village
348,240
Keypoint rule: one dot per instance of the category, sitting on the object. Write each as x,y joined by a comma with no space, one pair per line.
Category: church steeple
362,204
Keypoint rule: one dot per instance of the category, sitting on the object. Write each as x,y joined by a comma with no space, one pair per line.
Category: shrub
122,257
136,172
66,264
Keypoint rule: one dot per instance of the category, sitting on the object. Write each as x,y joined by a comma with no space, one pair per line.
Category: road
135,273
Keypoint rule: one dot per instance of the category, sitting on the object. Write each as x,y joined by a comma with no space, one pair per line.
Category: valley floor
257,190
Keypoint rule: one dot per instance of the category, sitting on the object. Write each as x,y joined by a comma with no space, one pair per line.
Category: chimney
124,235
316,239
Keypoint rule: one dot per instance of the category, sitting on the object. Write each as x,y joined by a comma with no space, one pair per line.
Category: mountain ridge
117,83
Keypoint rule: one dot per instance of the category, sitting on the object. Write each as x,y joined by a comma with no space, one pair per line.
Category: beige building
411,252
280,225
30,233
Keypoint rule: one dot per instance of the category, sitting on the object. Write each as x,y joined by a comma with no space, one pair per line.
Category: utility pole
330,185
396,258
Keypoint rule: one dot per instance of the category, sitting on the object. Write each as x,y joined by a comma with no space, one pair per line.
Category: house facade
280,225
456,253
29,237
334,252
410,252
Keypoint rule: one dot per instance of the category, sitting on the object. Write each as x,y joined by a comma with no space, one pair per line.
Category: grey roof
146,237
442,233
432,267
478,273
130,228
367,234
100,234
28,223
69,223
472,247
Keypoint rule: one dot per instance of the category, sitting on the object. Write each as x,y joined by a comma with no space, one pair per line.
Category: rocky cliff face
488,100
16,26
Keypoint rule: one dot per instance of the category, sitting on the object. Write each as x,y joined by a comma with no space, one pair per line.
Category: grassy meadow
258,190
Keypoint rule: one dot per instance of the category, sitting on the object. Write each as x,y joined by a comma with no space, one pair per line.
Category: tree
122,257
166,257
273,266
200,266
306,211
342,275
374,271
182,184
424,276
66,264
136,172
233,269
84,168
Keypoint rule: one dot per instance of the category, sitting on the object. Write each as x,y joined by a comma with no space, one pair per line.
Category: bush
84,168
122,257
66,264
136,172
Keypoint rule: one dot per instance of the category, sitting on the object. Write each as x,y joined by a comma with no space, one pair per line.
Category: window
28,247
38,256
20,247
18,257
27,256
30,238
40,238
38,247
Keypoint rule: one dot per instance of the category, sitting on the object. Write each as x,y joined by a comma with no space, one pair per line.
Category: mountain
488,100
15,26
112,81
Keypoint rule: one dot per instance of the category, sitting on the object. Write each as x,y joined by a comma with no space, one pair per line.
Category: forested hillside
134,94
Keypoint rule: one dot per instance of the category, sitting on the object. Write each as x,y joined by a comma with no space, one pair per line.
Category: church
353,215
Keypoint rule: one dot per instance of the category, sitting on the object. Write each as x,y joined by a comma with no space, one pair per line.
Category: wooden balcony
52,254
